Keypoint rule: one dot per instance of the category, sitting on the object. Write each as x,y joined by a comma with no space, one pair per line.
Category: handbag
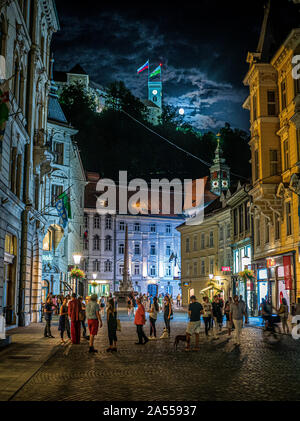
118,325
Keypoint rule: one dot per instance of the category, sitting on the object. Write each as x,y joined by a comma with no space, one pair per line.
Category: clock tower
155,92
219,171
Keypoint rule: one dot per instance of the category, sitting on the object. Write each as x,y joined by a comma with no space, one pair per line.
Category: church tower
219,171
155,92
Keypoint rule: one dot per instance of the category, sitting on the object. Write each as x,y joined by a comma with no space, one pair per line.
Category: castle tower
155,87
219,171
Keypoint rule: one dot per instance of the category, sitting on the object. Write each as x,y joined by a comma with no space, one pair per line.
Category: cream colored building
274,105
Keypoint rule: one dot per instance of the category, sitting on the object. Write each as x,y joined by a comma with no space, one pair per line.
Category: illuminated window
47,241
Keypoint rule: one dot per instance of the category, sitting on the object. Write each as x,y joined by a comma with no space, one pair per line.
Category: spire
55,111
219,171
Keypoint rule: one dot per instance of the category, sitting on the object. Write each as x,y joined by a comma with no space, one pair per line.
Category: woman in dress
153,317
112,326
64,320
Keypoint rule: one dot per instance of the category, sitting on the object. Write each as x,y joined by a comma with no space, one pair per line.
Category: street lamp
77,258
94,276
211,276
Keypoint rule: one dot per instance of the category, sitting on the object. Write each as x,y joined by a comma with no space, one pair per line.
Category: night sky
203,47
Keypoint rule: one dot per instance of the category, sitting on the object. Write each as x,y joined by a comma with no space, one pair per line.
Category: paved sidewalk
28,351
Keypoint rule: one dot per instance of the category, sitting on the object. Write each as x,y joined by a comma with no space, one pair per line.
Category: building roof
77,70
149,103
55,111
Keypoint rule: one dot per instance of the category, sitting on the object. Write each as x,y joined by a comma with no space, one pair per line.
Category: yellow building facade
274,105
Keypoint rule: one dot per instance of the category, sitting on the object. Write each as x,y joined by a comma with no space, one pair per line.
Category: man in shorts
93,317
195,309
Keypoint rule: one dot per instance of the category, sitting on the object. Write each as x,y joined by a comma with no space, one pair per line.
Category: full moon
181,111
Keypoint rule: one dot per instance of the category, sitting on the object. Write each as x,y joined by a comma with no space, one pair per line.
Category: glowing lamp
181,111
77,258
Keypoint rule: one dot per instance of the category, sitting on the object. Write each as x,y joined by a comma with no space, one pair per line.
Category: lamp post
76,258
94,277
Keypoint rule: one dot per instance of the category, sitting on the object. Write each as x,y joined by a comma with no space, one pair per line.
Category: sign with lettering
226,269
270,262
287,272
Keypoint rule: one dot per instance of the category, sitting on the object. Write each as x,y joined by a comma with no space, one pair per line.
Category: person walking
74,309
63,323
102,305
94,318
207,312
194,311
48,310
167,316
82,316
111,326
153,317
139,321
129,306
178,299
237,311
217,315
283,312
227,314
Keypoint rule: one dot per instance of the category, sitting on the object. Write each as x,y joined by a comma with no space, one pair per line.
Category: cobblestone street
219,371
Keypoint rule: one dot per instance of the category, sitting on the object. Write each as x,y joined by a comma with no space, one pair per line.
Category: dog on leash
177,339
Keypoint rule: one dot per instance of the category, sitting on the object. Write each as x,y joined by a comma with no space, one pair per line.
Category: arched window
96,265
96,242
107,266
108,243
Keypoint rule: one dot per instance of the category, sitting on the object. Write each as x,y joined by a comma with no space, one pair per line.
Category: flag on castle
155,72
144,67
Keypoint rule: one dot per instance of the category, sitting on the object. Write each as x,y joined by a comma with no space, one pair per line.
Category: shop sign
226,269
262,274
287,272
271,262
186,284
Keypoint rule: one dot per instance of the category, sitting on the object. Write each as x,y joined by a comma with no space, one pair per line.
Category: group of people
77,311
147,301
212,313
266,311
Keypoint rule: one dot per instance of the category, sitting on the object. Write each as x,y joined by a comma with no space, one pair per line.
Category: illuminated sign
262,274
270,262
226,269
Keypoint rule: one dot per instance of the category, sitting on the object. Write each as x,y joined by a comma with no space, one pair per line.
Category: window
228,231
211,239
47,242
195,243
108,222
286,154
107,243
188,269
187,245
152,227
221,234
168,250
256,165
96,265
235,221
211,265
58,149
267,232
254,107
96,242
96,221
137,227
241,219
283,94
257,232
107,266
168,270
85,244
168,229
121,248
277,228
202,267
271,103
137,249
273,162
152,250
202,241
121,269
247,216
136,269
86,220
152,270
297,86
122,226
288,214
56,191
